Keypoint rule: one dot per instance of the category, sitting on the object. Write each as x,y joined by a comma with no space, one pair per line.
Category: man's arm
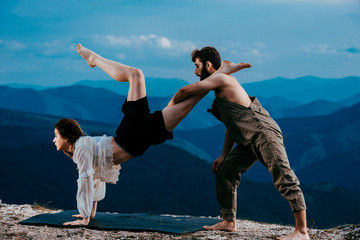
200,88
228,145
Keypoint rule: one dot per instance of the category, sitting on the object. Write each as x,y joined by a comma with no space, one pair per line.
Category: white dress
94,159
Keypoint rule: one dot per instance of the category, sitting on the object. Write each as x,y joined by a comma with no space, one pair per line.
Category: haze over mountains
321,138
103,103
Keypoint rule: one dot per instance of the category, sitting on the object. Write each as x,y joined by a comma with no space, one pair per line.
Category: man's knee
226,181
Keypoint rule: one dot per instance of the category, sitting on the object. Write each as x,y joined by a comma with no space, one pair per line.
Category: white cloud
321,49
235,49
13,44
121,56
144,41
164,42
56,47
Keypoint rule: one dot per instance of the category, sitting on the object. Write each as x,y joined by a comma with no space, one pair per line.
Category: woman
98,159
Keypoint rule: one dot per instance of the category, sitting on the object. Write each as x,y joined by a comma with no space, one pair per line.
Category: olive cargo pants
267,146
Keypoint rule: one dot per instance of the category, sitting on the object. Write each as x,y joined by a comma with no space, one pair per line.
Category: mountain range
307,89
300,90
88,103
166,179
309,141
103,103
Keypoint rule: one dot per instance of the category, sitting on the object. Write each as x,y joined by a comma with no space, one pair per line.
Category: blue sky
287,38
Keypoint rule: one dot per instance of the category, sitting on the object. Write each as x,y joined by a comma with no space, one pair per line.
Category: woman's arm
85,193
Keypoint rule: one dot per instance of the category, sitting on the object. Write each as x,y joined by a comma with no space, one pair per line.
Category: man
257,135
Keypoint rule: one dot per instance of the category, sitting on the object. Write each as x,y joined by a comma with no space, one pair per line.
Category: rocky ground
11,214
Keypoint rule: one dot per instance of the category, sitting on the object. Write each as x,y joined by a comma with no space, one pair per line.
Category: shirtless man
257,135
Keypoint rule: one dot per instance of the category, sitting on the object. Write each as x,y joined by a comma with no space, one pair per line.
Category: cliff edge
11,214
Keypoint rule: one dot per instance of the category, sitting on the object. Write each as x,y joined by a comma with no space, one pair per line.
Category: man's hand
83,222
217,163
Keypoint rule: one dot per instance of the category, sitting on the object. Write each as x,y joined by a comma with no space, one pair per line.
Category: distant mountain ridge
104,105
155,87
303,89
88,103
308,140
306,89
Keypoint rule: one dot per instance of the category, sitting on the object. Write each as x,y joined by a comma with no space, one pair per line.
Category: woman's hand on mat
84,221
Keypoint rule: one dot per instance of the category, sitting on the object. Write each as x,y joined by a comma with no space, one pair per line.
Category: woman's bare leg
175,113
117,71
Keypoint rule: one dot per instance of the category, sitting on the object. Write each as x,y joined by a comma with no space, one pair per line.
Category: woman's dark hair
69,129
207,54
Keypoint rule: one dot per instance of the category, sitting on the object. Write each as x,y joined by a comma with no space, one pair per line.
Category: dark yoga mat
130,222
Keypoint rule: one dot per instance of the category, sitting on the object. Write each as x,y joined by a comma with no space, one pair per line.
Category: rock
11,214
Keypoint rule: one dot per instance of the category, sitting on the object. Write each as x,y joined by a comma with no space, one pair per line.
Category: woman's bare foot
228,67
229,226
87,54
296,235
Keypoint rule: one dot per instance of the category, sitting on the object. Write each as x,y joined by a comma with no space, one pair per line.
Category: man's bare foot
296,235
82,222
228,67
87,54
224,225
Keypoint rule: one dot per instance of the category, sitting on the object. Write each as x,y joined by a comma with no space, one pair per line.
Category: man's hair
207,54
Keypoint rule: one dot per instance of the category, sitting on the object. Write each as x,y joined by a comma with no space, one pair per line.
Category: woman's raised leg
175,113
118,71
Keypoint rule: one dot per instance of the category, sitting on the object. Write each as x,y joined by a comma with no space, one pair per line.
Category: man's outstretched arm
199,88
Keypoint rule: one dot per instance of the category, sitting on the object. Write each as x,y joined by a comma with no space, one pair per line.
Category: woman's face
60,142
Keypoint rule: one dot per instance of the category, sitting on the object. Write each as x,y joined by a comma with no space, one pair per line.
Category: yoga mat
129,222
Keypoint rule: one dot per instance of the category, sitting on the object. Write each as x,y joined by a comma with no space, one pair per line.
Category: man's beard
204,73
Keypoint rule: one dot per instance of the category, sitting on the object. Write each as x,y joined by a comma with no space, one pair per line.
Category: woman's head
67,131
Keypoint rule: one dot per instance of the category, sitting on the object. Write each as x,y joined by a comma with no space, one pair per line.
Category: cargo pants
267,146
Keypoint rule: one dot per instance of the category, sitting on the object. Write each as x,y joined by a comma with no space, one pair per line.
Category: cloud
320,49
330,50
145,41
164,42
248,51
56,47
13,45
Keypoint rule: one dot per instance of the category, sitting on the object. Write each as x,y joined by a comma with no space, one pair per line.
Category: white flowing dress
94,159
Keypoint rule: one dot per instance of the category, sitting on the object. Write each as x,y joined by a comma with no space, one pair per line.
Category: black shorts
139,129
